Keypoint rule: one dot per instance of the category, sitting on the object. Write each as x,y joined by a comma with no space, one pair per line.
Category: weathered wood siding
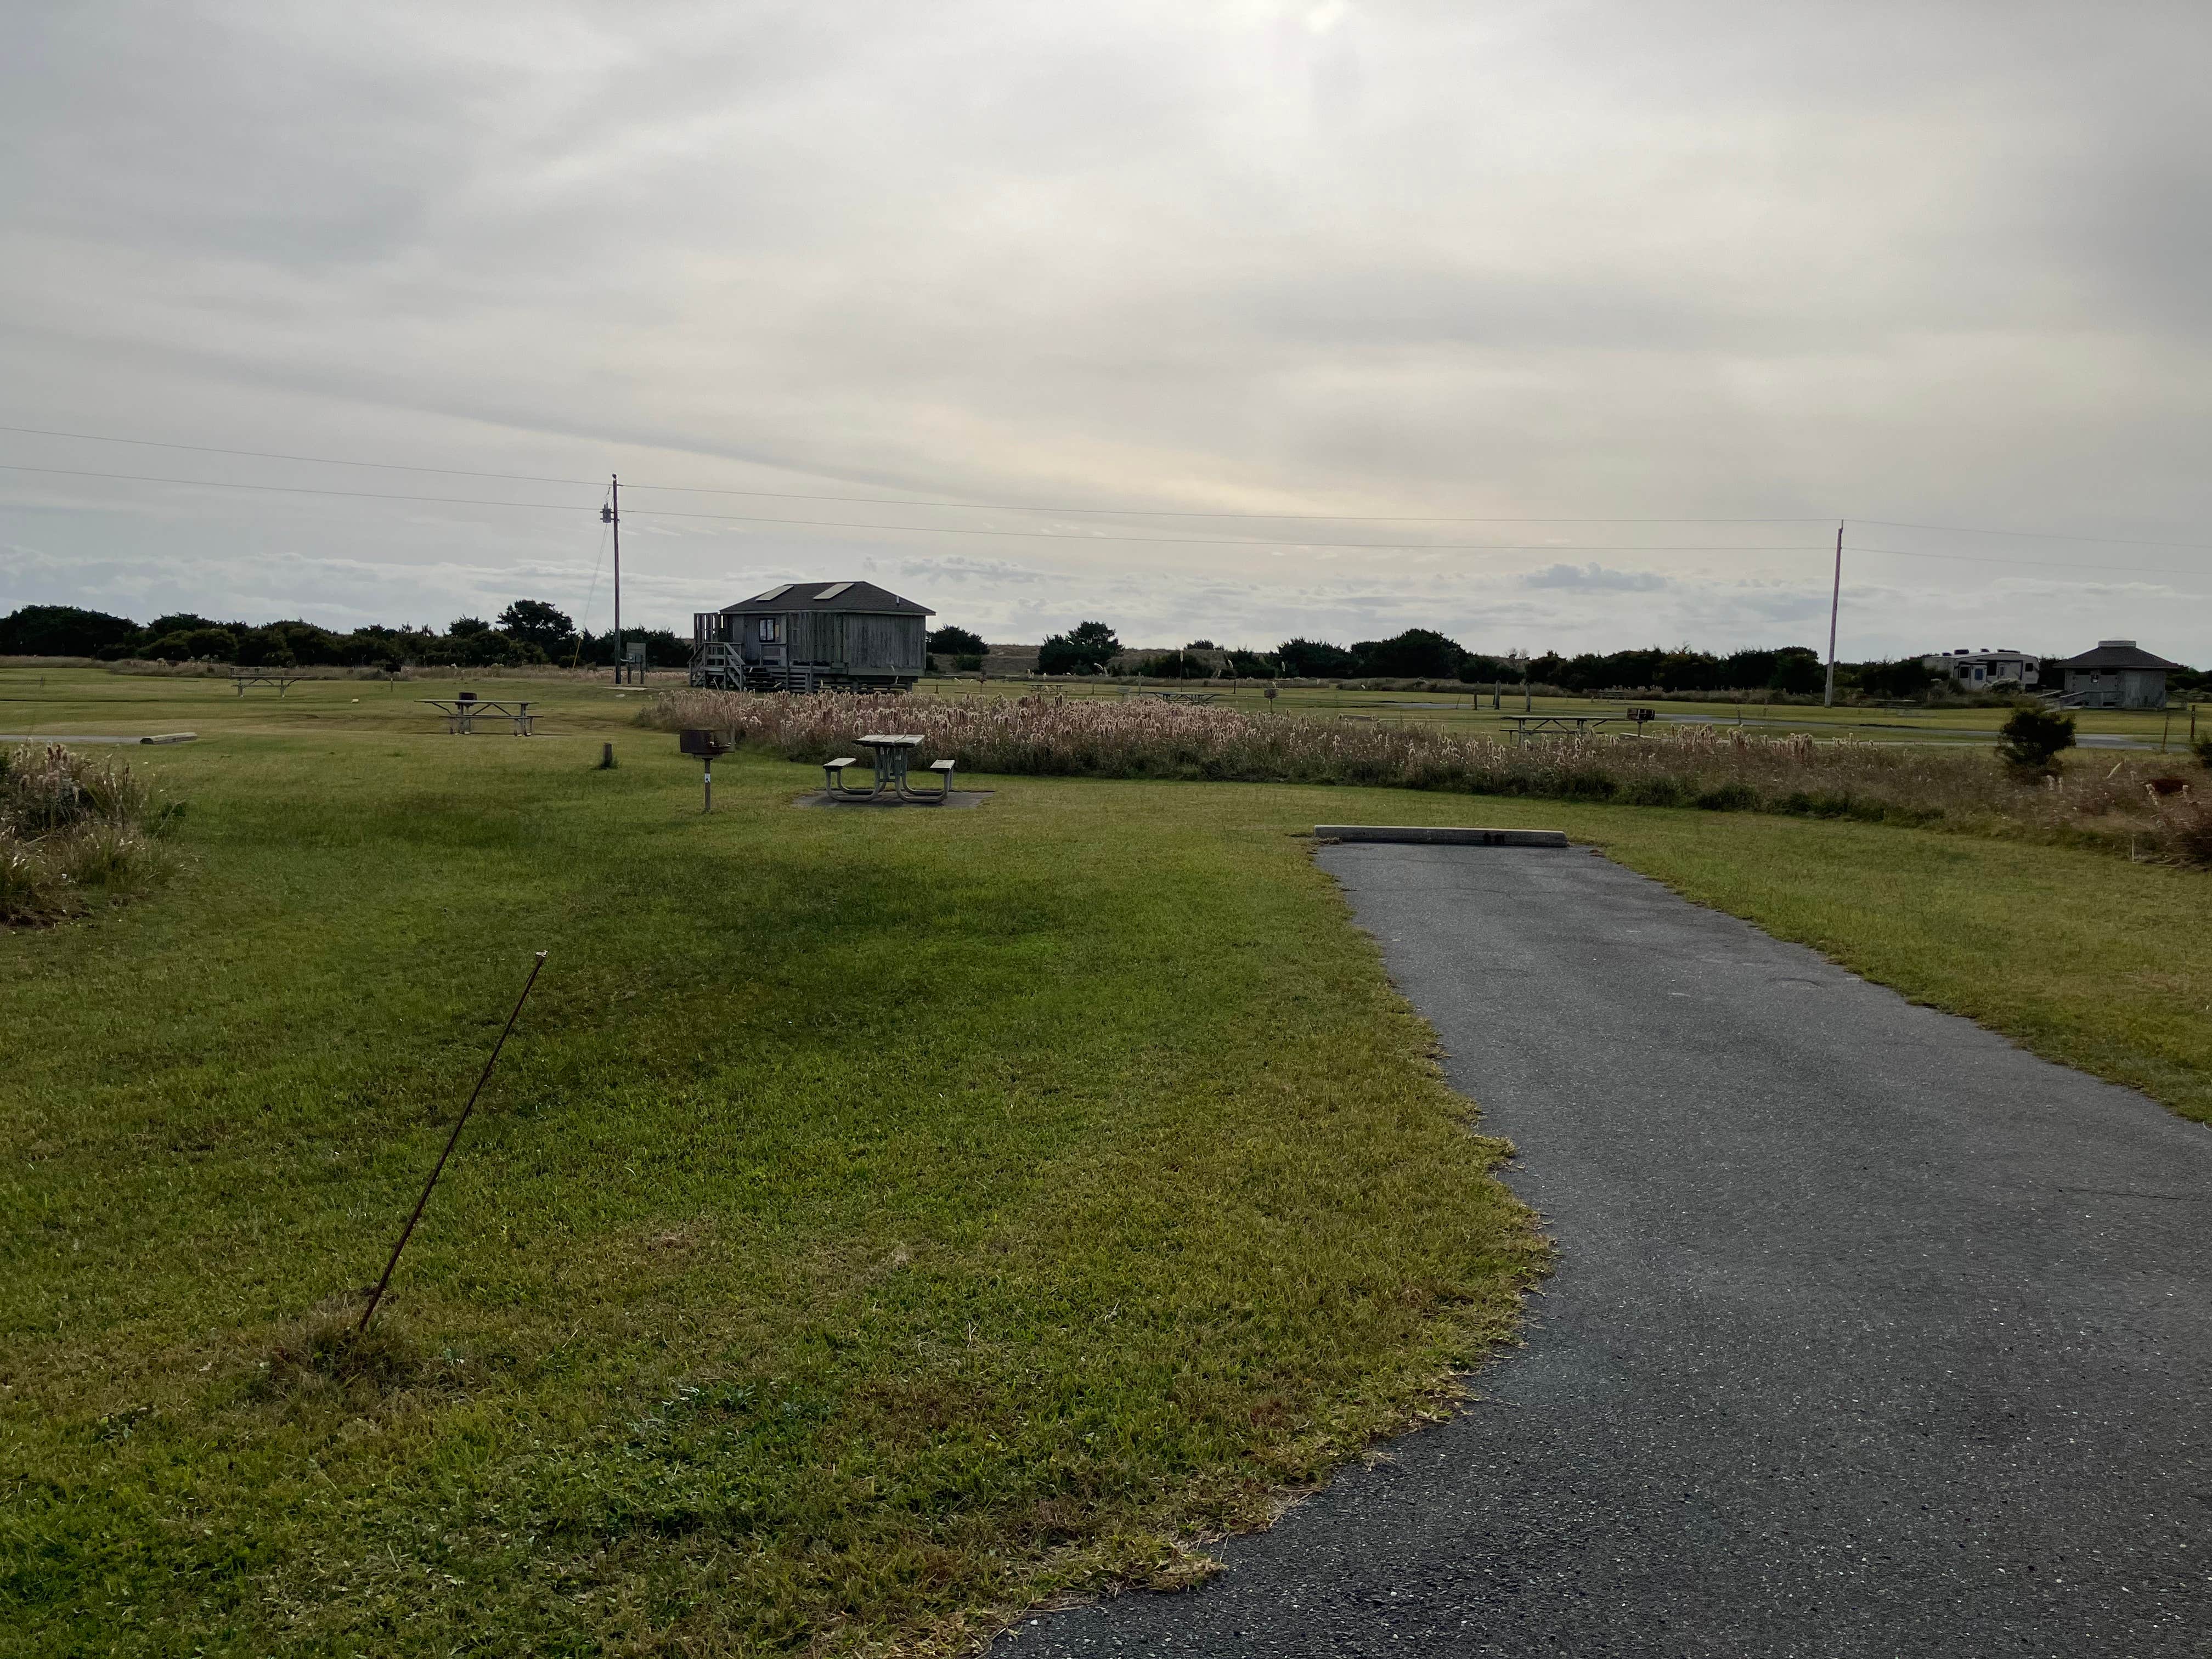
844,641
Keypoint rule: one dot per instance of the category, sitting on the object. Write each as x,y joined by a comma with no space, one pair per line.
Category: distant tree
62,630
533,621
184,622
2031,739
209,644
1085,648
1908,678
462,627
1251,665
1315,659
1797,671
957,642
1202,645
1177,665
1417,653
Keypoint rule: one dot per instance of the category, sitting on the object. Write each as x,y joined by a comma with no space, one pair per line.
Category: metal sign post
706,746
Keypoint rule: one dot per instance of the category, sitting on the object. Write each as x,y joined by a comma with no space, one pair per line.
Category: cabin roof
787,596
2118,653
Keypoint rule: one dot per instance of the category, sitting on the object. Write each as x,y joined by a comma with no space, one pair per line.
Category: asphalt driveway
1872,1334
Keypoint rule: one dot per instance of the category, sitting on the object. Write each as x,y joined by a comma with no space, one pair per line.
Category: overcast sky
1508,265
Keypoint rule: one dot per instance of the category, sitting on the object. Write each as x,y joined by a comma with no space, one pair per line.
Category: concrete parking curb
1430,834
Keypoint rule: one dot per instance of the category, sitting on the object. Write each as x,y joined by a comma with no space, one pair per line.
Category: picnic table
242,678
461,712
892,753
1525,726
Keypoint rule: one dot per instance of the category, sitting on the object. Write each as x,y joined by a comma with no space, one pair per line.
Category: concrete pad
64,738
960,800
1439,835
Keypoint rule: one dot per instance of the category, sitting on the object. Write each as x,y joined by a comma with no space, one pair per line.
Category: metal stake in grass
408,1231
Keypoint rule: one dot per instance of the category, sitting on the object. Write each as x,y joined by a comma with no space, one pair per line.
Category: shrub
2202,747
957,642
1085,649
2031,739
1727,798
72,828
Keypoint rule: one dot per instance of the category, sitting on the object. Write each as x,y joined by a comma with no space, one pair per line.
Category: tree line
528,631
1422,654
531,631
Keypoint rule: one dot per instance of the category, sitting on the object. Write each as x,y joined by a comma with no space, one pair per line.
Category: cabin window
771,629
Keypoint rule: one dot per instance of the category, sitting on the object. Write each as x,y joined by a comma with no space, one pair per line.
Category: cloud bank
1588,320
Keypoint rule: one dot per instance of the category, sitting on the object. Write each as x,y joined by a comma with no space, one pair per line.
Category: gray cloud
1536,261
1595,578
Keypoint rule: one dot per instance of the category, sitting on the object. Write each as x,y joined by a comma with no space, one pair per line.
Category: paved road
1872,1335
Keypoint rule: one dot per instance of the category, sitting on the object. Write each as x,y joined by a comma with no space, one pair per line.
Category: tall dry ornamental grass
74,830
1716,767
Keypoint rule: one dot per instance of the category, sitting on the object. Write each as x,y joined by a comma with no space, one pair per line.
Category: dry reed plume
1714,767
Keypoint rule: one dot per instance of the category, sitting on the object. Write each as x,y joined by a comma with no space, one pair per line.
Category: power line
2038,535
297,490
865,500
274,455
920,529
2033,564
878,501
1166,541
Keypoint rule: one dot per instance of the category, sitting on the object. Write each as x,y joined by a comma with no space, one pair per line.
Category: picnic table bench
892,753
461,712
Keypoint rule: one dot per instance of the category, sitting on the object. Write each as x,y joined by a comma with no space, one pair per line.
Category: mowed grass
879,1219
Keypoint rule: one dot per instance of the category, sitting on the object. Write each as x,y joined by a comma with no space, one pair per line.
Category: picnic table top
893,741
1576,719
503,705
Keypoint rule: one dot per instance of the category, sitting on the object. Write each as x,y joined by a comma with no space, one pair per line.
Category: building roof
827,596
2118,653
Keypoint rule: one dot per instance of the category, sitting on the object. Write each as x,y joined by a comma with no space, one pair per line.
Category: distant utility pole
611,514
1835,604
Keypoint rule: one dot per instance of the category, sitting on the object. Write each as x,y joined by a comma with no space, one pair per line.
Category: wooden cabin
812,636
2117,674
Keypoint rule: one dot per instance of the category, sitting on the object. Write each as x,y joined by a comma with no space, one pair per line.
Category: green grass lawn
880,1218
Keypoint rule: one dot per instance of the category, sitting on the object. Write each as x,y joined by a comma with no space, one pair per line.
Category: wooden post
1835,604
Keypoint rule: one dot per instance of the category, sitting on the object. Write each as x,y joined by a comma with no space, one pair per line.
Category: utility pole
611,514
1835,604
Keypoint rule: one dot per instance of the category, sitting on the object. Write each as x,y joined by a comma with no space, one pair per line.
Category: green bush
1727,798
2031,739
2202,747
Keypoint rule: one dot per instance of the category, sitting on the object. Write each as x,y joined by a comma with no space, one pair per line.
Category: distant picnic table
281,678
1527,725
461,712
